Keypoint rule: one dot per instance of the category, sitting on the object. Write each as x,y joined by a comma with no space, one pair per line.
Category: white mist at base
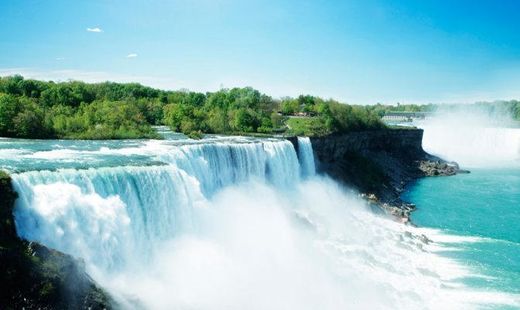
236,227
314,247
472,138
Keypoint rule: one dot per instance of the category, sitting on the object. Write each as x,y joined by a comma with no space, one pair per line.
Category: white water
471,139
234,226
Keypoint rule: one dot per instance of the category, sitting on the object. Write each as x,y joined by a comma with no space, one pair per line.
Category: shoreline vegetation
78,110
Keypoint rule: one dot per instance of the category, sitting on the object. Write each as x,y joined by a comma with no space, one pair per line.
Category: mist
473,136
313,247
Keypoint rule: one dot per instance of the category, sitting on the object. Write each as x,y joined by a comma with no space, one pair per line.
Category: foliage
322,117
37,109
380,109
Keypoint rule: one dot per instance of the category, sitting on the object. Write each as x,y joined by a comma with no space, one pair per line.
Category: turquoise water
481,209
483,206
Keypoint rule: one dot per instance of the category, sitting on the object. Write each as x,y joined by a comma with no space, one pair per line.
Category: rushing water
229,223
482,207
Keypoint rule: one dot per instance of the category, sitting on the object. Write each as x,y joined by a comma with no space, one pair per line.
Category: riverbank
379,164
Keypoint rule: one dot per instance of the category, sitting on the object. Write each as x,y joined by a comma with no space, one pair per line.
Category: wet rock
380,164
438,168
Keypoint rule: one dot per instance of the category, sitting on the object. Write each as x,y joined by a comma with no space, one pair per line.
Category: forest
77,110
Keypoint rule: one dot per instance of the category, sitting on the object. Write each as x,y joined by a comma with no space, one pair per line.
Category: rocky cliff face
379,164
35,277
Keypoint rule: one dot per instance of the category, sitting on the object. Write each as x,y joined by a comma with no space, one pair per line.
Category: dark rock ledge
379,164
35,277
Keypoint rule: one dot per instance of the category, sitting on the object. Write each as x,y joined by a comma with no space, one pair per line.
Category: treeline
496,109
310,116
382,109
75,110
38,109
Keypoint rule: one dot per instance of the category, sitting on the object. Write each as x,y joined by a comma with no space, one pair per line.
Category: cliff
379,164
35,277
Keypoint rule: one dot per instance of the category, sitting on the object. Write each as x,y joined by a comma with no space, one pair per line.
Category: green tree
9,108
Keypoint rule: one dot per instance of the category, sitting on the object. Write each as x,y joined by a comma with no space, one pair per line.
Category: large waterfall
229,224
105,214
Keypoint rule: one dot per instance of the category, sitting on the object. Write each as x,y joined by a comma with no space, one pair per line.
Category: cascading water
306,156
105,214
229,224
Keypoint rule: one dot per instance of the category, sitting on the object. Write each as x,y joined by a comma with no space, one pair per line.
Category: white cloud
132,55
96,29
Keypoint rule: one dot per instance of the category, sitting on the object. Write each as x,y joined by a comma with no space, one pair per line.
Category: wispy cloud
131,55
96,29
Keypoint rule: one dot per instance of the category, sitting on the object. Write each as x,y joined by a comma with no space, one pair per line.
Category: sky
359,52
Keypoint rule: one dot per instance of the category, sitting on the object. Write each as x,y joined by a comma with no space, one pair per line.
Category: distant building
404,116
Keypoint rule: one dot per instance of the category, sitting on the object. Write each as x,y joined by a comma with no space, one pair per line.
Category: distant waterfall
306,157
473,146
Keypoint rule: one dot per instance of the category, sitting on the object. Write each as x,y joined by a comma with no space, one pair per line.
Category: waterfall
471,140
229,224
306,156
474,146
105,214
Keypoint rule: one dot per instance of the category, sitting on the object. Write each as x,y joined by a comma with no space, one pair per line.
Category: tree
9,108
290,106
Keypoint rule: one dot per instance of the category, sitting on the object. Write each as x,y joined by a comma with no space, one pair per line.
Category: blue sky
355,51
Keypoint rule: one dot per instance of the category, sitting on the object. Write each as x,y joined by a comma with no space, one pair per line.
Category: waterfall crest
134,208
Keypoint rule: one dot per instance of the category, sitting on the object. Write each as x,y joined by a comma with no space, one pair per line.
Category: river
482,207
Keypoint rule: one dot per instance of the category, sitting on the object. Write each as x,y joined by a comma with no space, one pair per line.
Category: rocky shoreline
379,165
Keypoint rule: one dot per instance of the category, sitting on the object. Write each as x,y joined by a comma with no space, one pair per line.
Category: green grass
306,126
390,126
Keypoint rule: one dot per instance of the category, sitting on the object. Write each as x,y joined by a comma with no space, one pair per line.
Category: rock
372,197
425,239
379,163
438,168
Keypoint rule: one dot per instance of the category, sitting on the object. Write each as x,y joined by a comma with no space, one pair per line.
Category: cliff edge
379,164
